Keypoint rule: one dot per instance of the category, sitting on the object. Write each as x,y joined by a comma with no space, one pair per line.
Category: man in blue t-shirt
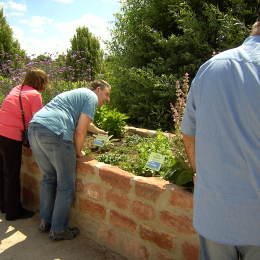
57,133
221,128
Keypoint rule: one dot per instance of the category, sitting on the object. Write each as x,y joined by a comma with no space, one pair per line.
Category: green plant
85,55
182,89
144,96
110,120
112,158
155,42
179,174
5,87
134,152
159,144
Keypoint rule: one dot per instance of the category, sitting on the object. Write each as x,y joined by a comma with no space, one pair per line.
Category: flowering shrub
177,115
61,77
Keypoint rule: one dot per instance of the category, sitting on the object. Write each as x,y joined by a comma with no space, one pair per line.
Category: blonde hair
36,79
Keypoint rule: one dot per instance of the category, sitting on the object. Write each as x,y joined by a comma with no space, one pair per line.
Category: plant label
155,161
100,140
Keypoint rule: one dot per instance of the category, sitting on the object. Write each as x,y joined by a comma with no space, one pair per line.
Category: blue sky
47,26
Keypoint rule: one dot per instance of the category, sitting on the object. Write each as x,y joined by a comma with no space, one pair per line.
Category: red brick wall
138,217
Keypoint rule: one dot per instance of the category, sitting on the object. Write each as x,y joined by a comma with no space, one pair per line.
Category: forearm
80,133
79,140
189,143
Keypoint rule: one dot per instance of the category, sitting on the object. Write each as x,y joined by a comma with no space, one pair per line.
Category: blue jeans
56,159
210,250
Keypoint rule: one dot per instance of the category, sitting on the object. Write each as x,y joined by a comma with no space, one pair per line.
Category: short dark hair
99,83
36,79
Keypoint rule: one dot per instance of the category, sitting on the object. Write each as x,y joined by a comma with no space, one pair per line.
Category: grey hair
99,83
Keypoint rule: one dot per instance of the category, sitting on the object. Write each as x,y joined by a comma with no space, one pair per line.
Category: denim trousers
210,250
56,159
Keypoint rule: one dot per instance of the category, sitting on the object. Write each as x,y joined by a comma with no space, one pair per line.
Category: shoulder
212,65
88,93
30,91
222,60
214,69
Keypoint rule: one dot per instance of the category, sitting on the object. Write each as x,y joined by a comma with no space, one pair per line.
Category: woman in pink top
11,128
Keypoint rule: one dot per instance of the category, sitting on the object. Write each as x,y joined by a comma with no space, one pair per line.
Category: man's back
224,106
228,119
61,114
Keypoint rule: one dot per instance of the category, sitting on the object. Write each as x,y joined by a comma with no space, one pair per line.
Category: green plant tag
101,140
155,161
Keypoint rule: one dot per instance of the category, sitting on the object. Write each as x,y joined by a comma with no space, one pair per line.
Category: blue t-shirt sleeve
90,106
188,126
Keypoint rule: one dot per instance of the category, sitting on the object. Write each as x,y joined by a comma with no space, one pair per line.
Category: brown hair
99,83
36,79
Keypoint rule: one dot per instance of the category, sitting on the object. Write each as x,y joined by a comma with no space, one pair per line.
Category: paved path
20,240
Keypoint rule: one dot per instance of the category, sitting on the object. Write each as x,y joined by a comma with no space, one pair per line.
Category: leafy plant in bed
131,154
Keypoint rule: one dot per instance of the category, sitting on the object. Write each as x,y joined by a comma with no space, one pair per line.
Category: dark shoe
68,234
24,213
44,226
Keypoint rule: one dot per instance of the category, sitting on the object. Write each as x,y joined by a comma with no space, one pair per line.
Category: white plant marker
101,139
155,161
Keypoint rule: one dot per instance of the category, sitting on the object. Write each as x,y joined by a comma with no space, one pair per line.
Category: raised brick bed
138,217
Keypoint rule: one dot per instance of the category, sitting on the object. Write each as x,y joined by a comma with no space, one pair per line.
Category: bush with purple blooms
60,76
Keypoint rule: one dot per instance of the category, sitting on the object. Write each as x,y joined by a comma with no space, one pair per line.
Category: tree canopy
177,36
10,50
85,55
171,37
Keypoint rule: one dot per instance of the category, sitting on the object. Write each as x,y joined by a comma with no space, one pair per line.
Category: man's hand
102,132
95,130
81,154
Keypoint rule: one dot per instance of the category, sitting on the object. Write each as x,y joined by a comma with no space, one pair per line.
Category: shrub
5,86
60,86
110,120
144,97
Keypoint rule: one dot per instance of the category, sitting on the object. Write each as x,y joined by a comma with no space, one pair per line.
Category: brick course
122,221
140,218
148,188
120,200
92,208
116,177
162,240
179,223
143,210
